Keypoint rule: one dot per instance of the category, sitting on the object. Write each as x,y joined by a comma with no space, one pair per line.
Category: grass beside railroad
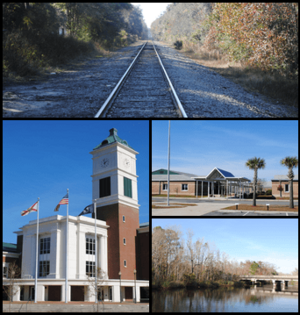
272,87
262,208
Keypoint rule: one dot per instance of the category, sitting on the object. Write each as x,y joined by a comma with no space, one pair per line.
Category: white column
227,187
213,189
196,188
202,189
208,188
116,293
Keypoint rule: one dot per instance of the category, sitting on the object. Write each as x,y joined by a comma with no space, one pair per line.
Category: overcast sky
151,11
42,158
198,146
269,240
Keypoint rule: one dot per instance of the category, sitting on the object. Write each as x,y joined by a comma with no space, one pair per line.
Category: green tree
253,268
290,162
255,164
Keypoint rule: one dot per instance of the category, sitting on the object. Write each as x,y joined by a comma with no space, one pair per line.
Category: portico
221,183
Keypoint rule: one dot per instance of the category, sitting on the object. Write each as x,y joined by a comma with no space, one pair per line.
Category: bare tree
10,288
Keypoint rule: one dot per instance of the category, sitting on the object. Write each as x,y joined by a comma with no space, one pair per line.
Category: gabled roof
113,137
225,173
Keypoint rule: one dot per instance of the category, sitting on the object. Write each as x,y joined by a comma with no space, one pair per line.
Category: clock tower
115,191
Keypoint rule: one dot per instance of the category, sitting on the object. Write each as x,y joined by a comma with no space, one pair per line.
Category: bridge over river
276,280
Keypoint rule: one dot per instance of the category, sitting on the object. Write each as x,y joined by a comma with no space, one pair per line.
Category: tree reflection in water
220,300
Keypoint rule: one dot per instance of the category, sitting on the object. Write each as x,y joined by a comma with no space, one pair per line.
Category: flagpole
168,203
96,265
36,252
66,285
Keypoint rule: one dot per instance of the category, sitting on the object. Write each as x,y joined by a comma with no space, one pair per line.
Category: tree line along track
144,90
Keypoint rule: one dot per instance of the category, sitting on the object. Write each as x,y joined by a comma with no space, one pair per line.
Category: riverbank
173,285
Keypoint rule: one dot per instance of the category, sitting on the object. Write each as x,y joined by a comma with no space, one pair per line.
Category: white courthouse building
122,243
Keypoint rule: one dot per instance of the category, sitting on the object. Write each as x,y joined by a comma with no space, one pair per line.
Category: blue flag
88,209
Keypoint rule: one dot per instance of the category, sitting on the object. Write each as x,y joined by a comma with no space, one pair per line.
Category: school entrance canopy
221,183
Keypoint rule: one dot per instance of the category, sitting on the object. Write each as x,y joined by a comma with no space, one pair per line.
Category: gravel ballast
205,93
80,91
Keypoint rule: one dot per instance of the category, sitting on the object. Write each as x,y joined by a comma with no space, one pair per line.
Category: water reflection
224,300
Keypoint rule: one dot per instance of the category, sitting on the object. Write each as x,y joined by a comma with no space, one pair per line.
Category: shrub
269,192
178,44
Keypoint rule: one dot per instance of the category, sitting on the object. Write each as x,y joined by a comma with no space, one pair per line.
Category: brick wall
117,251
276,192
175,188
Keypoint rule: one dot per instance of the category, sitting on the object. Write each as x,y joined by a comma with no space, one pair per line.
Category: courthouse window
165,186
104,187
90,268
45,245
44,269
127,187
90,246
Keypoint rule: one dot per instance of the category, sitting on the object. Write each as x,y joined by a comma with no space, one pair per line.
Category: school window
125,264
90,268
124,241
184,187
104,186
90,246
127,187
123,218
165,186
45,245
286,188
44,269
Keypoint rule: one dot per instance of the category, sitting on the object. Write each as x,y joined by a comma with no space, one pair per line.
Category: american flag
64,201
32,208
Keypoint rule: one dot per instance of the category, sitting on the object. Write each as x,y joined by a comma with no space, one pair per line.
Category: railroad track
144,90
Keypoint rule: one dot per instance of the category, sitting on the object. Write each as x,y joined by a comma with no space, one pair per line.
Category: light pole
120,287
134,271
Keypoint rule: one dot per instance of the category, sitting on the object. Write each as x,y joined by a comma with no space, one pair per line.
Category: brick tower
115,190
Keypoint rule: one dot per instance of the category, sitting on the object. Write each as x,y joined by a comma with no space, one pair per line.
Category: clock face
105,162
126,163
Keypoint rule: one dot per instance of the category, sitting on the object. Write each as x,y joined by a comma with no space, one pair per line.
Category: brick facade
276,193
117,251
175,188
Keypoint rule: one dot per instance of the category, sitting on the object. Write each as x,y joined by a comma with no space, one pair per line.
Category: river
259,299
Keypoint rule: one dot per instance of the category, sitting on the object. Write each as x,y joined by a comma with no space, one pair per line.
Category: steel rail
118,86
178,103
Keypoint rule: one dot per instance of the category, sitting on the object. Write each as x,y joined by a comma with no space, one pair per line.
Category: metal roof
8,247
113,137
225,173
174,176
284,177
161,175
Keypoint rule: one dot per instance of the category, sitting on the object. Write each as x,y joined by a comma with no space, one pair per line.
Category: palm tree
255,164
290,162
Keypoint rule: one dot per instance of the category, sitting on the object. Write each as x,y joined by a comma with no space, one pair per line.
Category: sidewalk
82,307
198,210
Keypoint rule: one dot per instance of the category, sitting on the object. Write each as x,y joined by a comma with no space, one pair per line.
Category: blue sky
151,11
269,240
42,158
199,146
